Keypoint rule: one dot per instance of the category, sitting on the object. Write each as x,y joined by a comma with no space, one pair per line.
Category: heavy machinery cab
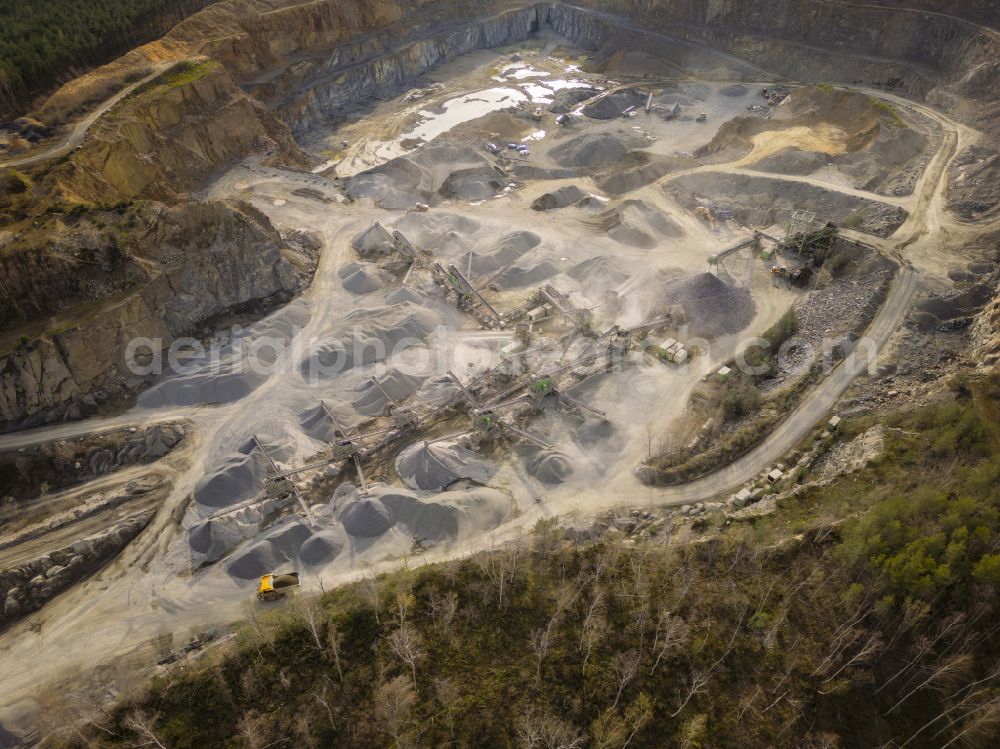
273,587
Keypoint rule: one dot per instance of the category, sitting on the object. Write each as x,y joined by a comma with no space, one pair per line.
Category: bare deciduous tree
970,694
500,567
320,697
334,638
541,640
844,636
980,724
541,730
608,731
951,668
637,715
868,650
442,609
671,632
624,667
699,677
251,729
142,725
393,703
406,644
594,626
312,615
923,646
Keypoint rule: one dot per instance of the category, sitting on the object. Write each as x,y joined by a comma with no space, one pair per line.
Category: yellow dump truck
274,586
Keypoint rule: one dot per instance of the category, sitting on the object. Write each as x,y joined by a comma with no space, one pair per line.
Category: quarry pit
505,242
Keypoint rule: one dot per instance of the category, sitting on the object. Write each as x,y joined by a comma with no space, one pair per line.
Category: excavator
706,215
274,587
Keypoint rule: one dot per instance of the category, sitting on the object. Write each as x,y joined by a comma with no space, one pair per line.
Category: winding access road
75,136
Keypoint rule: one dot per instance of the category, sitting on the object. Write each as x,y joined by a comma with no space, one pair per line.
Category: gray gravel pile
560,198
433,521
272,552
372,243
565,100
507,249
399,385
393,186
405,294
842,306
317,424
235,478
420,176
360,279
518,278
612,106
473,184
642,213
590,150
373,334
549,466
211,540
434,466
323,547
711,306
210,381
735,90
437,389
838,311
601,271
366,517
429,230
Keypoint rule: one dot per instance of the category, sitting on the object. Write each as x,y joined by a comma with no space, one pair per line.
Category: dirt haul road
75,136
138,597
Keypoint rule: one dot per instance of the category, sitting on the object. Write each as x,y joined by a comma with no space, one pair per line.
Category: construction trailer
672,350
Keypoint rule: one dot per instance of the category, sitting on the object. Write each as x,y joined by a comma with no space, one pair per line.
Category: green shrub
740,402
940,526
14,182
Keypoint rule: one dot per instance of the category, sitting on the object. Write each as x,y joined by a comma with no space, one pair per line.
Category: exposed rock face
166,140
200,260
916,53
346,50
986,333
854,455
27,588
974,183
249,37
22,472
335,51
356,71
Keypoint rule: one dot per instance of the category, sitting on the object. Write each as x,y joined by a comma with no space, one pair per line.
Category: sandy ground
153,593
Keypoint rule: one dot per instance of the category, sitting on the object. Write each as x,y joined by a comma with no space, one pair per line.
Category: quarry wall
282,67
69,372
